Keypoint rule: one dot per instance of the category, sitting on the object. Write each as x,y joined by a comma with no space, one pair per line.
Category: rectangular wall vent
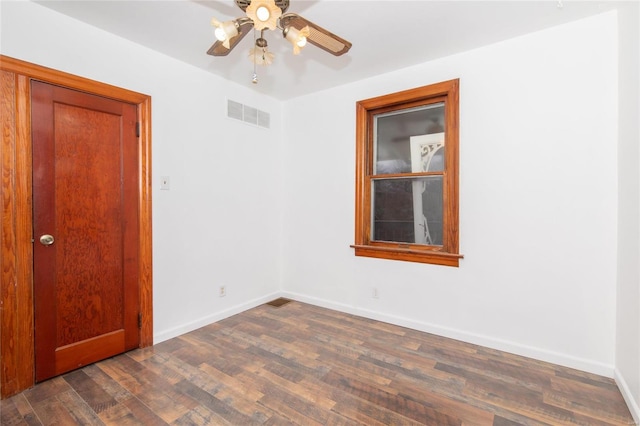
251,115
248,114
263,119
234,110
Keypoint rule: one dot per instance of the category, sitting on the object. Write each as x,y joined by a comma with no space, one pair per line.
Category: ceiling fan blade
217,49
318,36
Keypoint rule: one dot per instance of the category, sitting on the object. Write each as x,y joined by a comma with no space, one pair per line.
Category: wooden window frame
447,254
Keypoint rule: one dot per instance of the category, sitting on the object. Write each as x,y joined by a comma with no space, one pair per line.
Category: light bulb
220,34
298,38
263,14
224,31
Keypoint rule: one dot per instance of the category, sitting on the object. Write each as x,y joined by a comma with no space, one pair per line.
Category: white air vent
263,119
234,110
248,114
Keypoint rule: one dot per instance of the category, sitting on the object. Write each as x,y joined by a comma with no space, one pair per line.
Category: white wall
628,308
538,201
543,232
223,209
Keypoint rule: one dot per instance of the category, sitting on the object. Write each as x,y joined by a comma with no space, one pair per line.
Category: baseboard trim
477,339
634,408
209,319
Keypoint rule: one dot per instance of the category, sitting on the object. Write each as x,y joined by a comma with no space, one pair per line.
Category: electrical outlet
375,293
223,291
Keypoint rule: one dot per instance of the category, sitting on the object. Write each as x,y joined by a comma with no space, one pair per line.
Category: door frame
17,353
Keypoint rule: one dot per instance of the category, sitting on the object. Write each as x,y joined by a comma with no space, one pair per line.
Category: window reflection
394,130
399,217
409,210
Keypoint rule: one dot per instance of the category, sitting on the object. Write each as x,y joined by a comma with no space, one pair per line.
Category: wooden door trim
17,366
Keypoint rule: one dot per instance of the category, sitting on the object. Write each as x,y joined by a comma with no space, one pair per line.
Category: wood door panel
85,174
91,350
17,350
88,223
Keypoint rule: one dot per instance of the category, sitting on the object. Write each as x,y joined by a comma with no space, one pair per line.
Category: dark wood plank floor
304,365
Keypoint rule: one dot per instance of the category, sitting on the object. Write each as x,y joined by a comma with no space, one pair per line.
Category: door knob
46,240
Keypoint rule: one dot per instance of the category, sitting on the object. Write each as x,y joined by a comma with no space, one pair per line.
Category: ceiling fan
270,15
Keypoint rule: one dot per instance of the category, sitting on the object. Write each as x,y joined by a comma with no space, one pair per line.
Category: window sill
409,255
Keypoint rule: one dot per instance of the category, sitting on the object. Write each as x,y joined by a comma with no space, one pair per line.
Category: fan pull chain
254,79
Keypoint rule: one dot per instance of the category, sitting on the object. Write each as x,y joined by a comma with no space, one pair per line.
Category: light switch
165,183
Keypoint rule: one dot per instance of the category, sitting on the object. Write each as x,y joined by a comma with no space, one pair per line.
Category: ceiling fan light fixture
270,15
261,56
264,14
298,38
224,31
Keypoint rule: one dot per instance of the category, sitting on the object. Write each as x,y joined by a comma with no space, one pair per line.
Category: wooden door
85,220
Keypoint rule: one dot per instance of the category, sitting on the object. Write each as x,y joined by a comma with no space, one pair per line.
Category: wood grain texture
85,193
16,294
299,364
16,251
448,254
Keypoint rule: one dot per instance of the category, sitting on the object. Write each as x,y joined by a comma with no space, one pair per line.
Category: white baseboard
477,339
634,408
209,319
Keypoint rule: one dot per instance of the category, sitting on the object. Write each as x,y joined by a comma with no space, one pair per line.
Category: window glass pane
427,153
408,210
393,132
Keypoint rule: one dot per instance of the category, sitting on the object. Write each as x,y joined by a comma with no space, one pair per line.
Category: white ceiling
386,35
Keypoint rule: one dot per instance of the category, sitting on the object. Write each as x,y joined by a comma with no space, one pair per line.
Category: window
407,175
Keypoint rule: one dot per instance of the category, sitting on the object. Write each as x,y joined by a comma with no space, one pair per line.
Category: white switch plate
165,183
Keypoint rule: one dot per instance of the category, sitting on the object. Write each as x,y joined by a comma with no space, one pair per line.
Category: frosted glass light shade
261,56
264,14
224,31
298,38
